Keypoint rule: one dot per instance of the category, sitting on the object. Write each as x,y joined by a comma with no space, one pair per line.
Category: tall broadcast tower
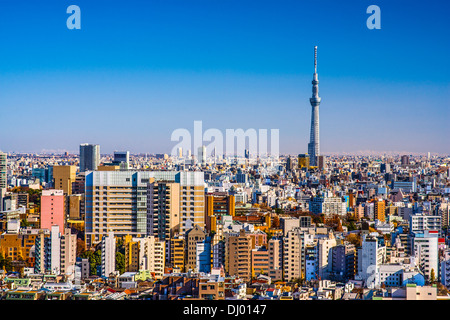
313,145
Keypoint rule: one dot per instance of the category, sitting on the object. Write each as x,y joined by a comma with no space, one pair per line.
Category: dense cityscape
202,226
158,227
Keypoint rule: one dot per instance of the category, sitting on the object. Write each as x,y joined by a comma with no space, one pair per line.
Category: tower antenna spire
315,59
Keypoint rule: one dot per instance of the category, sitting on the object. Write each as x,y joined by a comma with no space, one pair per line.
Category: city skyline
122,83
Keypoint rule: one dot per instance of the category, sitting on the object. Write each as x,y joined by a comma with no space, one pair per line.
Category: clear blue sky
137,70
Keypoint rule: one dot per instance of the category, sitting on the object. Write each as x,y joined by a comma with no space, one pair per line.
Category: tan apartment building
177,254
193,236
76,206
211,289
238,255
192,206
380,210
145,254
68,251
275,248
260,261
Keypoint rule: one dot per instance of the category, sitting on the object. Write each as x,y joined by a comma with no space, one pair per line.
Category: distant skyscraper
314,146
202,155
89,157
321,162
405,160
3,162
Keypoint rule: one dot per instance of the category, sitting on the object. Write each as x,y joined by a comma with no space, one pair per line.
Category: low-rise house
27,295
58,295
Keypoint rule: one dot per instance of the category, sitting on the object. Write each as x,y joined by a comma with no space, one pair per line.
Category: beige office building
124,202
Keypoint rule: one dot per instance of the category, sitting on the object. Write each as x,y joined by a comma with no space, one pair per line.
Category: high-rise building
3,170
202,155
64,177
76,206
203,254
324,256
108,246
53,209
405,160
163,202
426,250
238,252
145,254
371,255
314,145
89,157
260,261
343,261
193,237
119,201
379,210
131,253
68,255
55,252
177,257
152,256
292,255
275,248
445,268
218,204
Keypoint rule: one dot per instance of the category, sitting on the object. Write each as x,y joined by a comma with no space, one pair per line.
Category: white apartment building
323,256
108,265
294,253
370,257
55,252
419,223
151,255
328,205
425,248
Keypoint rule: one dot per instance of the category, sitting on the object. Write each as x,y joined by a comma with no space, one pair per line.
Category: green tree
432,276
120,262
24,223
279,211
95,259
5,263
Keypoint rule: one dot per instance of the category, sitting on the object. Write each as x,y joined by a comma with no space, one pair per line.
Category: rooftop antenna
315,59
